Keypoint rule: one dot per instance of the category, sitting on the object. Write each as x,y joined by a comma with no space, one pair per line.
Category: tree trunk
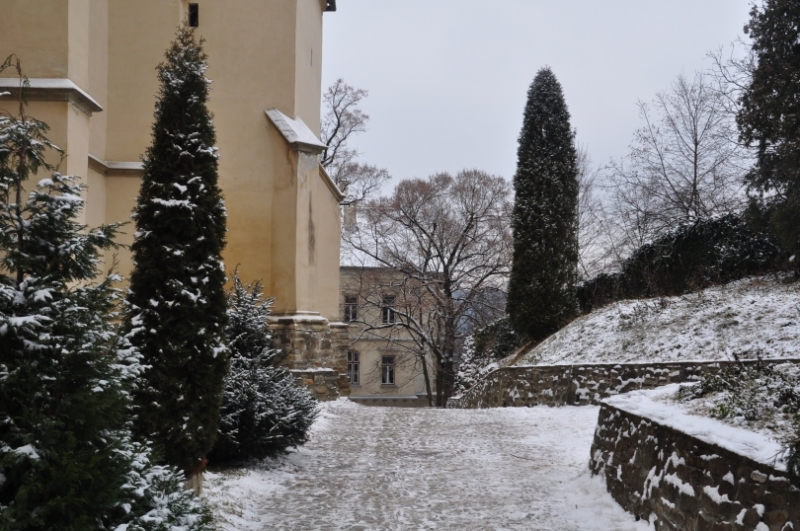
427,379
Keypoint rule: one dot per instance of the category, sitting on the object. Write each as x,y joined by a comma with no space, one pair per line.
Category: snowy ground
387,469
751,317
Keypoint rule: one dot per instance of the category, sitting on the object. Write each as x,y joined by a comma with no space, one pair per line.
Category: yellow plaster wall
37,31
283,221
98,78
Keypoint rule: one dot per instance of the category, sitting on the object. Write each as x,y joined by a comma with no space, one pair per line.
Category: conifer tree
541,293
263,410
66,456
176,315
768,114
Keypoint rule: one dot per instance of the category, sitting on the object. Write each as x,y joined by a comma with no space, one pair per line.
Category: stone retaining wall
324,384
681,483
558,385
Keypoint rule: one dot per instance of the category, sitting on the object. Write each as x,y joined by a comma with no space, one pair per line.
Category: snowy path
387,469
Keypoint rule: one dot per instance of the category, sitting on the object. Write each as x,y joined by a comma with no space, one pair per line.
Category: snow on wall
681,482
557,385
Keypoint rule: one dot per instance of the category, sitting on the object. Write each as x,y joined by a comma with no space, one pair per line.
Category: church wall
38,33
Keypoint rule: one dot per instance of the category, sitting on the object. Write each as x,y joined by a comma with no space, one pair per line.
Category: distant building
91,65
383,362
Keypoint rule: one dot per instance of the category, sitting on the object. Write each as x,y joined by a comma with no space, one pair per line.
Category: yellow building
91,65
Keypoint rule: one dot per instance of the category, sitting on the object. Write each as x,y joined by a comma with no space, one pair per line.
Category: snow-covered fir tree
176,315
66,456
541,292
263,411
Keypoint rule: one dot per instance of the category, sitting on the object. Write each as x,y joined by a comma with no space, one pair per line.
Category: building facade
385,365
91,65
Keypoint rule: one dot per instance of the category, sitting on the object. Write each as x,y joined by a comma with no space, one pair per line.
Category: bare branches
342,121
447,240
685,163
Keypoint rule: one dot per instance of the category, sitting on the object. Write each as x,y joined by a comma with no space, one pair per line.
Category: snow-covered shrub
176,297
482,351
693,256
757,396
66,372
264,411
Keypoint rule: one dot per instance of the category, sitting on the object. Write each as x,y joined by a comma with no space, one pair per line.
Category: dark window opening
350,308
387,310
353,359
387,370
194,15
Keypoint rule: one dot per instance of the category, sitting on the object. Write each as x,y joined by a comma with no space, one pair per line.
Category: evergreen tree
66,456
176,314
541,295
770,106
263,411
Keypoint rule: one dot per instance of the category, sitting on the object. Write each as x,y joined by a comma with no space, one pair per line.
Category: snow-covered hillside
752,317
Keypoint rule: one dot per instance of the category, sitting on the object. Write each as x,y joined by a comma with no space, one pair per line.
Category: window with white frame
353,363
387,370
387,309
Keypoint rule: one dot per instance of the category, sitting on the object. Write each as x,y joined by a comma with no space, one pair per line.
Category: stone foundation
315,351
681,483
558,385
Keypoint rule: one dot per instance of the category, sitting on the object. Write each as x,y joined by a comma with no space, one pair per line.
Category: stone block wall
558,385
316,353
681,483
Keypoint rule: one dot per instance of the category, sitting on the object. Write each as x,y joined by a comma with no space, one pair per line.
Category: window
194,15
352,367
350,308
387,370
387,309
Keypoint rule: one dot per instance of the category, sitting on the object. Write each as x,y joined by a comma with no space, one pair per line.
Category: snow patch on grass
751,317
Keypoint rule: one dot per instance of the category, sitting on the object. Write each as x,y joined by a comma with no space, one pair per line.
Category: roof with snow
296,132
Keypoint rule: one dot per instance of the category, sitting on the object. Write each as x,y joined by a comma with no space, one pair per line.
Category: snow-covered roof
53,88
296,132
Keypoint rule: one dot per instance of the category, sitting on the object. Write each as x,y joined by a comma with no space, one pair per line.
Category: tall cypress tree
768,117
176,298
66,456
541,294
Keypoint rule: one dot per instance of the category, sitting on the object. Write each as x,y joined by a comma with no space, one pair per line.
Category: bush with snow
756,396
692,256
176,298
66,372
482,352
264,411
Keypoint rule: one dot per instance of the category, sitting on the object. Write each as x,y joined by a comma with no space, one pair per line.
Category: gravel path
379,469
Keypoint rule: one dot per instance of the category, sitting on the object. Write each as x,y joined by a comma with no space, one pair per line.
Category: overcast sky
447,79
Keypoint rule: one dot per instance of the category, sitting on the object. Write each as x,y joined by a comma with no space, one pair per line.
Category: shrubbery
264,411
756,395
691,257
482,350
67,459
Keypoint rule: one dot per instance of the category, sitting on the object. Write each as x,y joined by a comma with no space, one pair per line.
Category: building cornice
51,89
331,185
296,132
116,169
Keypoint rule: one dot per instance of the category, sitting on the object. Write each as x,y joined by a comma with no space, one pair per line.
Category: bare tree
593,230
342,120
684,163
449,240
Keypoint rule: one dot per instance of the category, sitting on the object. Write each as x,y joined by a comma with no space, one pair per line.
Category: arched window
353,362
